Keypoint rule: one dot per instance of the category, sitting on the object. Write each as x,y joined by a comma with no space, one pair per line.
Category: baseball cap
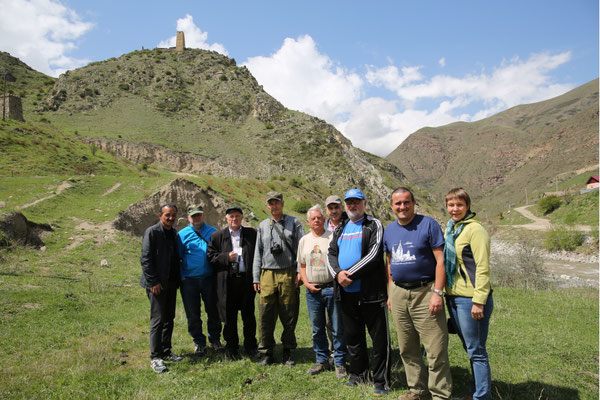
195,209
354,194
274,196
333,199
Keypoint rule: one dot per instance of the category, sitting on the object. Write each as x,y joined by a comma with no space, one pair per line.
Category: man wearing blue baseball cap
355,260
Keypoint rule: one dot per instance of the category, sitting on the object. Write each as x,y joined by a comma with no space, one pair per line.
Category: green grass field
74,329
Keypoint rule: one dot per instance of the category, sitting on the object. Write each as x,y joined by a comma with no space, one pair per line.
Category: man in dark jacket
160,278
355,259
231,252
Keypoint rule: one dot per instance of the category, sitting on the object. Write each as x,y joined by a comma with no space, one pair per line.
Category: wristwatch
437,291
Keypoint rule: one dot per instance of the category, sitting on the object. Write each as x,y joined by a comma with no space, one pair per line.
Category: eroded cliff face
161,157
181,192
358,171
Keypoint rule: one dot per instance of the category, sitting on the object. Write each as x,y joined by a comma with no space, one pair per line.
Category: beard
356,215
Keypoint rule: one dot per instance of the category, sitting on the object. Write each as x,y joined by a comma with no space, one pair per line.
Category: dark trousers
356,316
162,313
193,292
240,297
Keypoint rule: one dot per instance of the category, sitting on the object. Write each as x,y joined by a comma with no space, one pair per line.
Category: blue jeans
193,291
473,334
317,304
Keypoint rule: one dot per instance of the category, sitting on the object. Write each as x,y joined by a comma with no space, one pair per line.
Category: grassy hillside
201,103
496,159
31,86
40,149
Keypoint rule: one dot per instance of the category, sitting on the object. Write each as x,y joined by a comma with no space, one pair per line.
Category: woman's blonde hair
459,193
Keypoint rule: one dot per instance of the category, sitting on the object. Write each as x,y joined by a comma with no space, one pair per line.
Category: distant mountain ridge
496,159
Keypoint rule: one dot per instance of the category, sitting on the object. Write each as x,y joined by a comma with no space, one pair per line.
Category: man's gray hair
316,207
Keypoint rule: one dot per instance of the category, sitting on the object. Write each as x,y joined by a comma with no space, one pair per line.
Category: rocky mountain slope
496,159
197,111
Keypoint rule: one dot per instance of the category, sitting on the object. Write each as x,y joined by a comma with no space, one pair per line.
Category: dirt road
542,224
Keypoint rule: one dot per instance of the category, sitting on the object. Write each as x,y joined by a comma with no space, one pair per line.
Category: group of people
354,271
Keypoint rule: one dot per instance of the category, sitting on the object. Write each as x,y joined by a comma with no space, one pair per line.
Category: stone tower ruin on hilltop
12,108
180,41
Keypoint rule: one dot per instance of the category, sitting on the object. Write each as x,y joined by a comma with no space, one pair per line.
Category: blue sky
377,71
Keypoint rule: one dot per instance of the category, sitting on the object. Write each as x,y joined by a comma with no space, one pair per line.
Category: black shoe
266,360
253,354
287,358
232,354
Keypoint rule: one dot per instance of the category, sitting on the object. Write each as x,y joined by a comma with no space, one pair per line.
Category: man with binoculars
276,278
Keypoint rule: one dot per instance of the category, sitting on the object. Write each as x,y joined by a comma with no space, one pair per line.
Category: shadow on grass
461,378
532,390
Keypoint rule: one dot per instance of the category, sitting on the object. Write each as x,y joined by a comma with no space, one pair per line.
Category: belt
324,285
413,285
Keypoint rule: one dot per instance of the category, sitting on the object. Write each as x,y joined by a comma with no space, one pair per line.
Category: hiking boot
287,358
232,354
253,354
172,357
266,360
217,346
158,365
318,368
340,372
378,392
199,350
410,395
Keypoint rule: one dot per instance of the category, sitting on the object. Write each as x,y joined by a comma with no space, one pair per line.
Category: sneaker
340,372
158,365
287,358
199,350
410,395
378,392
266,360
217,346
351,383
318,368
172,357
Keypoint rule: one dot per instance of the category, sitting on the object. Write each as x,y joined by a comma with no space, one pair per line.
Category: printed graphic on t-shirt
399,255
317,259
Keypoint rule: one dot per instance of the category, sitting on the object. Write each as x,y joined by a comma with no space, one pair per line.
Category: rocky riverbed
569,269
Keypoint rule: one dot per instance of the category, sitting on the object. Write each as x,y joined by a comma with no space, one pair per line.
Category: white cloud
41,33
442,62
194,37
302,78
381,128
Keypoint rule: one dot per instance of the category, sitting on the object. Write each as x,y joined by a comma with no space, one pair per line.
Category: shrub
523,269
563,238
548,204
123,86
268,125
302,206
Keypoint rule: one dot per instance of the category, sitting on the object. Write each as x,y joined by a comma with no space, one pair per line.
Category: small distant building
593,182
180,41
12,107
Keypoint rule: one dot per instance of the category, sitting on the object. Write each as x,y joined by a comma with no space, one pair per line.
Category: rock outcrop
16,228
139,216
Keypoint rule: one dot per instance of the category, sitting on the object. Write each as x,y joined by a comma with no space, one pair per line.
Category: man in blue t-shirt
414,247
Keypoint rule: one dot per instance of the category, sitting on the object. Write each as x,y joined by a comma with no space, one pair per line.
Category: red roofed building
593,182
